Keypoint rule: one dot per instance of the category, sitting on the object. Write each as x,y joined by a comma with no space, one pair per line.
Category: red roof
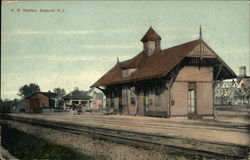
151,35
157,65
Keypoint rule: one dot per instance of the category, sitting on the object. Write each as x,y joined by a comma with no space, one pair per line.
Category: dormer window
128,72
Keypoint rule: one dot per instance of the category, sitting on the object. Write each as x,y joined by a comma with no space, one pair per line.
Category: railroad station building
175,82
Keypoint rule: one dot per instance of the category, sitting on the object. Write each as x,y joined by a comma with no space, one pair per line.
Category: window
83,102
191,98
133,96
75,102
124,97
158,96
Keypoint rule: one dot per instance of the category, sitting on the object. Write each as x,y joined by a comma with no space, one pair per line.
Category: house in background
223,92
89,100
174,82
243,88
77,98
234,91
40,100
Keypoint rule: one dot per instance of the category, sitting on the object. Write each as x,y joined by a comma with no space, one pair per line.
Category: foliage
25,146
28,90
246,91
5,106
60,92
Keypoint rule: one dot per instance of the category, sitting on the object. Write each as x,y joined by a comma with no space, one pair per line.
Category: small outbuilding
174,82
37,101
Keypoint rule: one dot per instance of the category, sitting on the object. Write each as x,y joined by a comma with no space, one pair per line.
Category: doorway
192,114
146,101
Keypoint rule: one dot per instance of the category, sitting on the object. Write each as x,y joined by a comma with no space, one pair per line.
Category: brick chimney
151,42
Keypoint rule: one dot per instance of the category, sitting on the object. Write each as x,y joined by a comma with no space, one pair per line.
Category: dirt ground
231,124
233,114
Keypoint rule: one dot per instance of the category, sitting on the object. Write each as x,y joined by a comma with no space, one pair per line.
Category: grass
27,147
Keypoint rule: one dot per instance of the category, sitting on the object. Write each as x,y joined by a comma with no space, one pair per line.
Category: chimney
151,42
242,71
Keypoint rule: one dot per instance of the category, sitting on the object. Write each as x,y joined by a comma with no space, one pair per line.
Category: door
120,102
192,101
146,101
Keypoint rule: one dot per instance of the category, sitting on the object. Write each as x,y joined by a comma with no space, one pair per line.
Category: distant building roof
47,94
77,94
244,82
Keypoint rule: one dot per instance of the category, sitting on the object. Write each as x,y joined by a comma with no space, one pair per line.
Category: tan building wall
192,74
205,99
164,102
179,98
203,78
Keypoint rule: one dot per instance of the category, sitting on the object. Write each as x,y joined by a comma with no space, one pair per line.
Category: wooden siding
203,51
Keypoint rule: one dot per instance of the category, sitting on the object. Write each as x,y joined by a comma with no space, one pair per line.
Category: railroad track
173,144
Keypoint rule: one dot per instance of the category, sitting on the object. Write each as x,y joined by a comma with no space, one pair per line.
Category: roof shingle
157,65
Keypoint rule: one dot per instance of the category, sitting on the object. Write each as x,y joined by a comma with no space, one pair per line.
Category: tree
5,106
60,92
1,106
246,93
28,90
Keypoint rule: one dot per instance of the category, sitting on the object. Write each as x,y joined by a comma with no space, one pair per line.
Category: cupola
151,42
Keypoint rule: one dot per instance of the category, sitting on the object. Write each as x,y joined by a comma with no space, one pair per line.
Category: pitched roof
150,35
77,94
245,82
47,94
156,65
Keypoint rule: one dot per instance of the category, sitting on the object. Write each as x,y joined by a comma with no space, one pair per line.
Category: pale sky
76,47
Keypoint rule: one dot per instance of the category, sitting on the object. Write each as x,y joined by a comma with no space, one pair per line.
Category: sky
78,42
